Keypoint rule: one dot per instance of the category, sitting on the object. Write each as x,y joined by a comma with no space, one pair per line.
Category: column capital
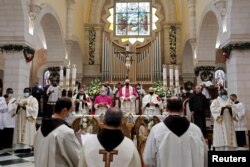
221,6
34,9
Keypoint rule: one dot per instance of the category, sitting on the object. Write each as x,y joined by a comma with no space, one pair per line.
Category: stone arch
51,27
208,36
187,61
49,42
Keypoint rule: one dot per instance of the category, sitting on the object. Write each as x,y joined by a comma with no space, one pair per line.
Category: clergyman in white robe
128,95
151,103
175,142
55,144
109,148
25,126
224,137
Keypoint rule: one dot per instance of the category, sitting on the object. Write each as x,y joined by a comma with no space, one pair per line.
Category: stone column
192,20
166,49
16,72
92,69
69,24
238,77
70,7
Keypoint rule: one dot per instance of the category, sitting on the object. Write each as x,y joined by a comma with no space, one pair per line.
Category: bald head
113,117
198,89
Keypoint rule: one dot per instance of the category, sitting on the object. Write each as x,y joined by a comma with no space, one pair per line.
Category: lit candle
73,81
61,76
67,75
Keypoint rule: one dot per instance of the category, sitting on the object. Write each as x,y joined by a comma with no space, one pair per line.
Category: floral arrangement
93,89
159,90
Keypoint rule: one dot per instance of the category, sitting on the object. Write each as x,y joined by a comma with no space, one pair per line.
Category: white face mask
224,97
10,94
104,93
26,94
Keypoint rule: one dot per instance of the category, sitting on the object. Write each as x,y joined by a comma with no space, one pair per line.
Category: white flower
84,119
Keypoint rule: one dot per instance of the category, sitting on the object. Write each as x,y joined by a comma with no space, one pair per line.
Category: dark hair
64,92
174,104
70,93
63,103
9,89
113,117
223,92
27,89
234,95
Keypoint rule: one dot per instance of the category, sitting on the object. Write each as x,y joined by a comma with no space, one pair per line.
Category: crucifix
108,156
128,58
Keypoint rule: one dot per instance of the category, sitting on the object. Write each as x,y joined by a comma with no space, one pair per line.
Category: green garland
203,68
27,51
237,46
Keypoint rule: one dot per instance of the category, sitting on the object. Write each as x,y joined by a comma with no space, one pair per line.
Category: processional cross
128,59
108,156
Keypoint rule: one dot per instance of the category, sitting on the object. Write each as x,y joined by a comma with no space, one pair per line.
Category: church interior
171,45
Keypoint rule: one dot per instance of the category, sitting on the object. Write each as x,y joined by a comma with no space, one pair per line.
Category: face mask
127,84
10,94
54,84
151,93
26,94
224,97
103,93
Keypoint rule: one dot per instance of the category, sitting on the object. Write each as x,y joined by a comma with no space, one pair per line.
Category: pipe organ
145,62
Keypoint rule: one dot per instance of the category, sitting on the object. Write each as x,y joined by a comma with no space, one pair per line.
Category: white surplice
127,154
151,110
25,125
224,130
165,149
128,100
59,148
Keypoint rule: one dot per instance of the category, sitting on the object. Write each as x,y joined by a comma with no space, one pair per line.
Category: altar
133,126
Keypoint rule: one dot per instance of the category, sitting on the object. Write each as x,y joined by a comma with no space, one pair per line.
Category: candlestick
61,76
171,75
67,75
176,75
164,75
73,81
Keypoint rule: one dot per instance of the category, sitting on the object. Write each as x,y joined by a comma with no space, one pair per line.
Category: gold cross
108,156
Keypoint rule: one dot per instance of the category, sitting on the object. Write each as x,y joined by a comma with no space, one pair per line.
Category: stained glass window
132,19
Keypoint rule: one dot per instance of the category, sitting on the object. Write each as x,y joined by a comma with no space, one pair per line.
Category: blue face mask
224,97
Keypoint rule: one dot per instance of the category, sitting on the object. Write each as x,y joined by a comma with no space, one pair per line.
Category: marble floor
9,158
